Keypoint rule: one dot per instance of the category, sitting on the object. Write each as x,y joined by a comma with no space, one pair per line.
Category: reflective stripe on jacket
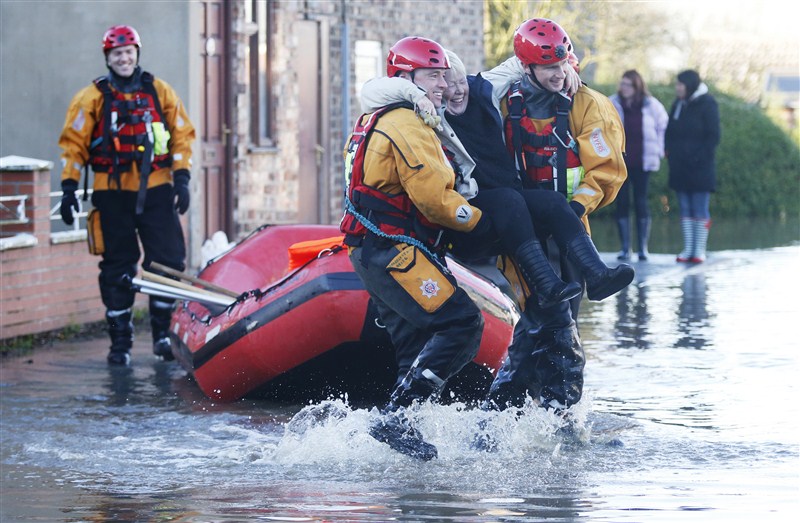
85,115
400,160
598,131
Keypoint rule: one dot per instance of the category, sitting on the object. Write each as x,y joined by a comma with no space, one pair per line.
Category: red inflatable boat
303,326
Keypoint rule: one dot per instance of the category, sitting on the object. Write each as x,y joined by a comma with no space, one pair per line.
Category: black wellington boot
160,318
624,230
643,234
601,280
393,426
541,277
120,330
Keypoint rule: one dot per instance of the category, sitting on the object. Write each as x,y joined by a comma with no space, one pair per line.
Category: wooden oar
215,303
163,280
188,277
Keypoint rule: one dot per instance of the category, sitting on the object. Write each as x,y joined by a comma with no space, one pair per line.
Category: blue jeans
694,205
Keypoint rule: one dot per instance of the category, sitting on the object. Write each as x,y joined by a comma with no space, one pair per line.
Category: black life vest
548,157
120,138
367,209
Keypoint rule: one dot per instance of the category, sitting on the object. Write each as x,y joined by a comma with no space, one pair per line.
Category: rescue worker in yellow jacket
134,132
400,196
573,146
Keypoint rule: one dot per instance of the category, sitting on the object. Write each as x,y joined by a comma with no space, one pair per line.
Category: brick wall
43,286
267,180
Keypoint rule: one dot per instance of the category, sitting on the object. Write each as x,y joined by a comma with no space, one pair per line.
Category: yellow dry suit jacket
405,156
595,125
86,111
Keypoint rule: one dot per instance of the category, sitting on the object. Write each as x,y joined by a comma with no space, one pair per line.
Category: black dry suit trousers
158,229
515,217
545,359
432,322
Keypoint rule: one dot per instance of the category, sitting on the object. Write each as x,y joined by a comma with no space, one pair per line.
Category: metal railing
14,213
80,217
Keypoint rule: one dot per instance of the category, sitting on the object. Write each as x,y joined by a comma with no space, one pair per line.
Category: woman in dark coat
692,137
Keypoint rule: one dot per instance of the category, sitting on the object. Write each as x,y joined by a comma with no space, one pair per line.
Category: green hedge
758,164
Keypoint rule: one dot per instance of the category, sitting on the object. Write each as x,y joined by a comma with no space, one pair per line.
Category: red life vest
543,157
120,138
393,216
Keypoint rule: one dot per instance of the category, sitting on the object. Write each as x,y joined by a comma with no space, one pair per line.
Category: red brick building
272,87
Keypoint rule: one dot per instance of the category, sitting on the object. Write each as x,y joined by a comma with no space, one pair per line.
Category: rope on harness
371,227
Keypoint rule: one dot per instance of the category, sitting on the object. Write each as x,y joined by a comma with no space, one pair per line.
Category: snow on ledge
21,163
18,241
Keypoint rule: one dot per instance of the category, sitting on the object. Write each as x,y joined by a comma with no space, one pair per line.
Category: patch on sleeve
463,214
599,143
79,120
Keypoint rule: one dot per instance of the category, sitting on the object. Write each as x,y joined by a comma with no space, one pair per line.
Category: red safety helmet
120,35
414,52
540,41
574,62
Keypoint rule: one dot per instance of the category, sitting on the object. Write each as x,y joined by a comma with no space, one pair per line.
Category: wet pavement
693,369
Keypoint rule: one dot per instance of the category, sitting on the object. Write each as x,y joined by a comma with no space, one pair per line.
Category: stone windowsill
68,236
18,241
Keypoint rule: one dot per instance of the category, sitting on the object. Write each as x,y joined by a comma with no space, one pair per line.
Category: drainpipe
345,47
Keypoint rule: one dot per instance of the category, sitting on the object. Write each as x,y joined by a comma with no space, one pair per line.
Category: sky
765,18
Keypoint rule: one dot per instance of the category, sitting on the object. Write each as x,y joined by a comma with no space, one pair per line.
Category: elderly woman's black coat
691,143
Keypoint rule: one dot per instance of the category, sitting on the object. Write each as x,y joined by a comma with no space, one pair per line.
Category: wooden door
214,128
314,184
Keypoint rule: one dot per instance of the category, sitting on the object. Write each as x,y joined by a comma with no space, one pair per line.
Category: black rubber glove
577,208
180,189
68,201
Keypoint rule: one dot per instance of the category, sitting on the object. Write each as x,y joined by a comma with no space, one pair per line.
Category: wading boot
688,230
624,230
160,317
601,280
484,440
393,426
396,430
120,330
643,234
540,276
701,228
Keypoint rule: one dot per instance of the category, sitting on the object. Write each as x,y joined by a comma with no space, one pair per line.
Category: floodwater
690,414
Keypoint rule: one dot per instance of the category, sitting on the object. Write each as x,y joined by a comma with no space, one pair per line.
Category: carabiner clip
571,139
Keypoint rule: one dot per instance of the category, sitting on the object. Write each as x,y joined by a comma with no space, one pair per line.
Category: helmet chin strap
533,78
126,84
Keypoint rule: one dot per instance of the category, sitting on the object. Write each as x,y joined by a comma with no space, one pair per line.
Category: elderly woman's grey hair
456,65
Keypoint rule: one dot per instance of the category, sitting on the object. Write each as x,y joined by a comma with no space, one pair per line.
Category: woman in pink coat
645,121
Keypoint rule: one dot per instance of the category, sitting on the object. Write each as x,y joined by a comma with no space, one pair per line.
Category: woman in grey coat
645,121
693,134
